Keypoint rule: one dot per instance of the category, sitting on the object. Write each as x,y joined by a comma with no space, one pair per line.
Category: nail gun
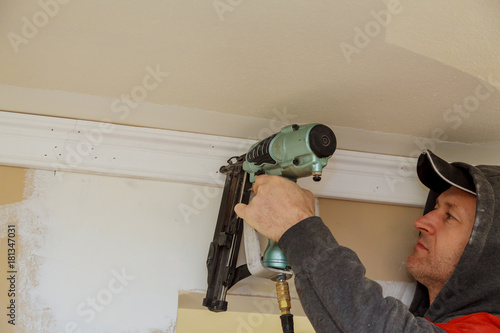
294,152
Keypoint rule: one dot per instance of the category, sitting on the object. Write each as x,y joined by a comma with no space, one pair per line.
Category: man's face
444,233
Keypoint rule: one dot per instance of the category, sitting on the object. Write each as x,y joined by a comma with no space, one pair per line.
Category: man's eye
449,216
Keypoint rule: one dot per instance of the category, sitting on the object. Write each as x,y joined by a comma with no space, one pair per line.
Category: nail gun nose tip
317,178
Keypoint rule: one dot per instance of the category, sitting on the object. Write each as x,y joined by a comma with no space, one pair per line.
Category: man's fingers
240,210
259,180
267,181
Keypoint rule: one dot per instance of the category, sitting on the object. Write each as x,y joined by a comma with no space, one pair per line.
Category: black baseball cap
439,175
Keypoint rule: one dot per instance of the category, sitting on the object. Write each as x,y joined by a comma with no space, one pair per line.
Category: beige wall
382,235
11,184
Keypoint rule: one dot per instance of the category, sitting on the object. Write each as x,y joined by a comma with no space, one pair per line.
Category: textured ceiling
418,68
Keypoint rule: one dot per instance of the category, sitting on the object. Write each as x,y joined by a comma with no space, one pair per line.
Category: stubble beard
431,272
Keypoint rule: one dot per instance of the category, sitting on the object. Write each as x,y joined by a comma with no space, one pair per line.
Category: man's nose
427,223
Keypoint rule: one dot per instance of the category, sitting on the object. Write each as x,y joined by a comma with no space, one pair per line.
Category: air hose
284,303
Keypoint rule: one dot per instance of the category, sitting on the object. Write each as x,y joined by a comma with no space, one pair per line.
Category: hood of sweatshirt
474,285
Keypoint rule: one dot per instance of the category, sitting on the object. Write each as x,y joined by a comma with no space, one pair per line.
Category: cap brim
439,175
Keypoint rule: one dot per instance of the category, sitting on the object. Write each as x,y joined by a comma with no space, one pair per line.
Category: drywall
108,254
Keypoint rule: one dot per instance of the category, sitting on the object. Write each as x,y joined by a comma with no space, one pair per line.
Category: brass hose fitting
284,303
283,293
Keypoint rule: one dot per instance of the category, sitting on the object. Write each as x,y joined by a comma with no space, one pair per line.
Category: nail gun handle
223,250
254,257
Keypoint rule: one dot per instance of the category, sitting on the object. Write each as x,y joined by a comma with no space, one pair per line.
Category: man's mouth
421,246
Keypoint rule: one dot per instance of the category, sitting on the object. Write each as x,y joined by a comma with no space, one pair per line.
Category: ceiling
411,68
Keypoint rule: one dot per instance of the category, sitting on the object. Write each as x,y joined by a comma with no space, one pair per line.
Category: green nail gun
294,152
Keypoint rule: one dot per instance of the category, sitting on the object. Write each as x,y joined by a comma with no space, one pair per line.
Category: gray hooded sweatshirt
337,297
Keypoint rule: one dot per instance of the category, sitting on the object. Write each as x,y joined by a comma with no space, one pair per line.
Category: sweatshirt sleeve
333,289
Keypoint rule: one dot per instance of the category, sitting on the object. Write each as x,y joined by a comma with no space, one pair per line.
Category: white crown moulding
60,144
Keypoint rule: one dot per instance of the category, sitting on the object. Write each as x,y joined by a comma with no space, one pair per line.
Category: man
456,260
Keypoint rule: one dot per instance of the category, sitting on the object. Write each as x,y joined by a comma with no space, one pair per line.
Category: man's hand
278,204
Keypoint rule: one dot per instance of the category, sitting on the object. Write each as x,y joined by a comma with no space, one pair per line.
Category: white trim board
60,144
